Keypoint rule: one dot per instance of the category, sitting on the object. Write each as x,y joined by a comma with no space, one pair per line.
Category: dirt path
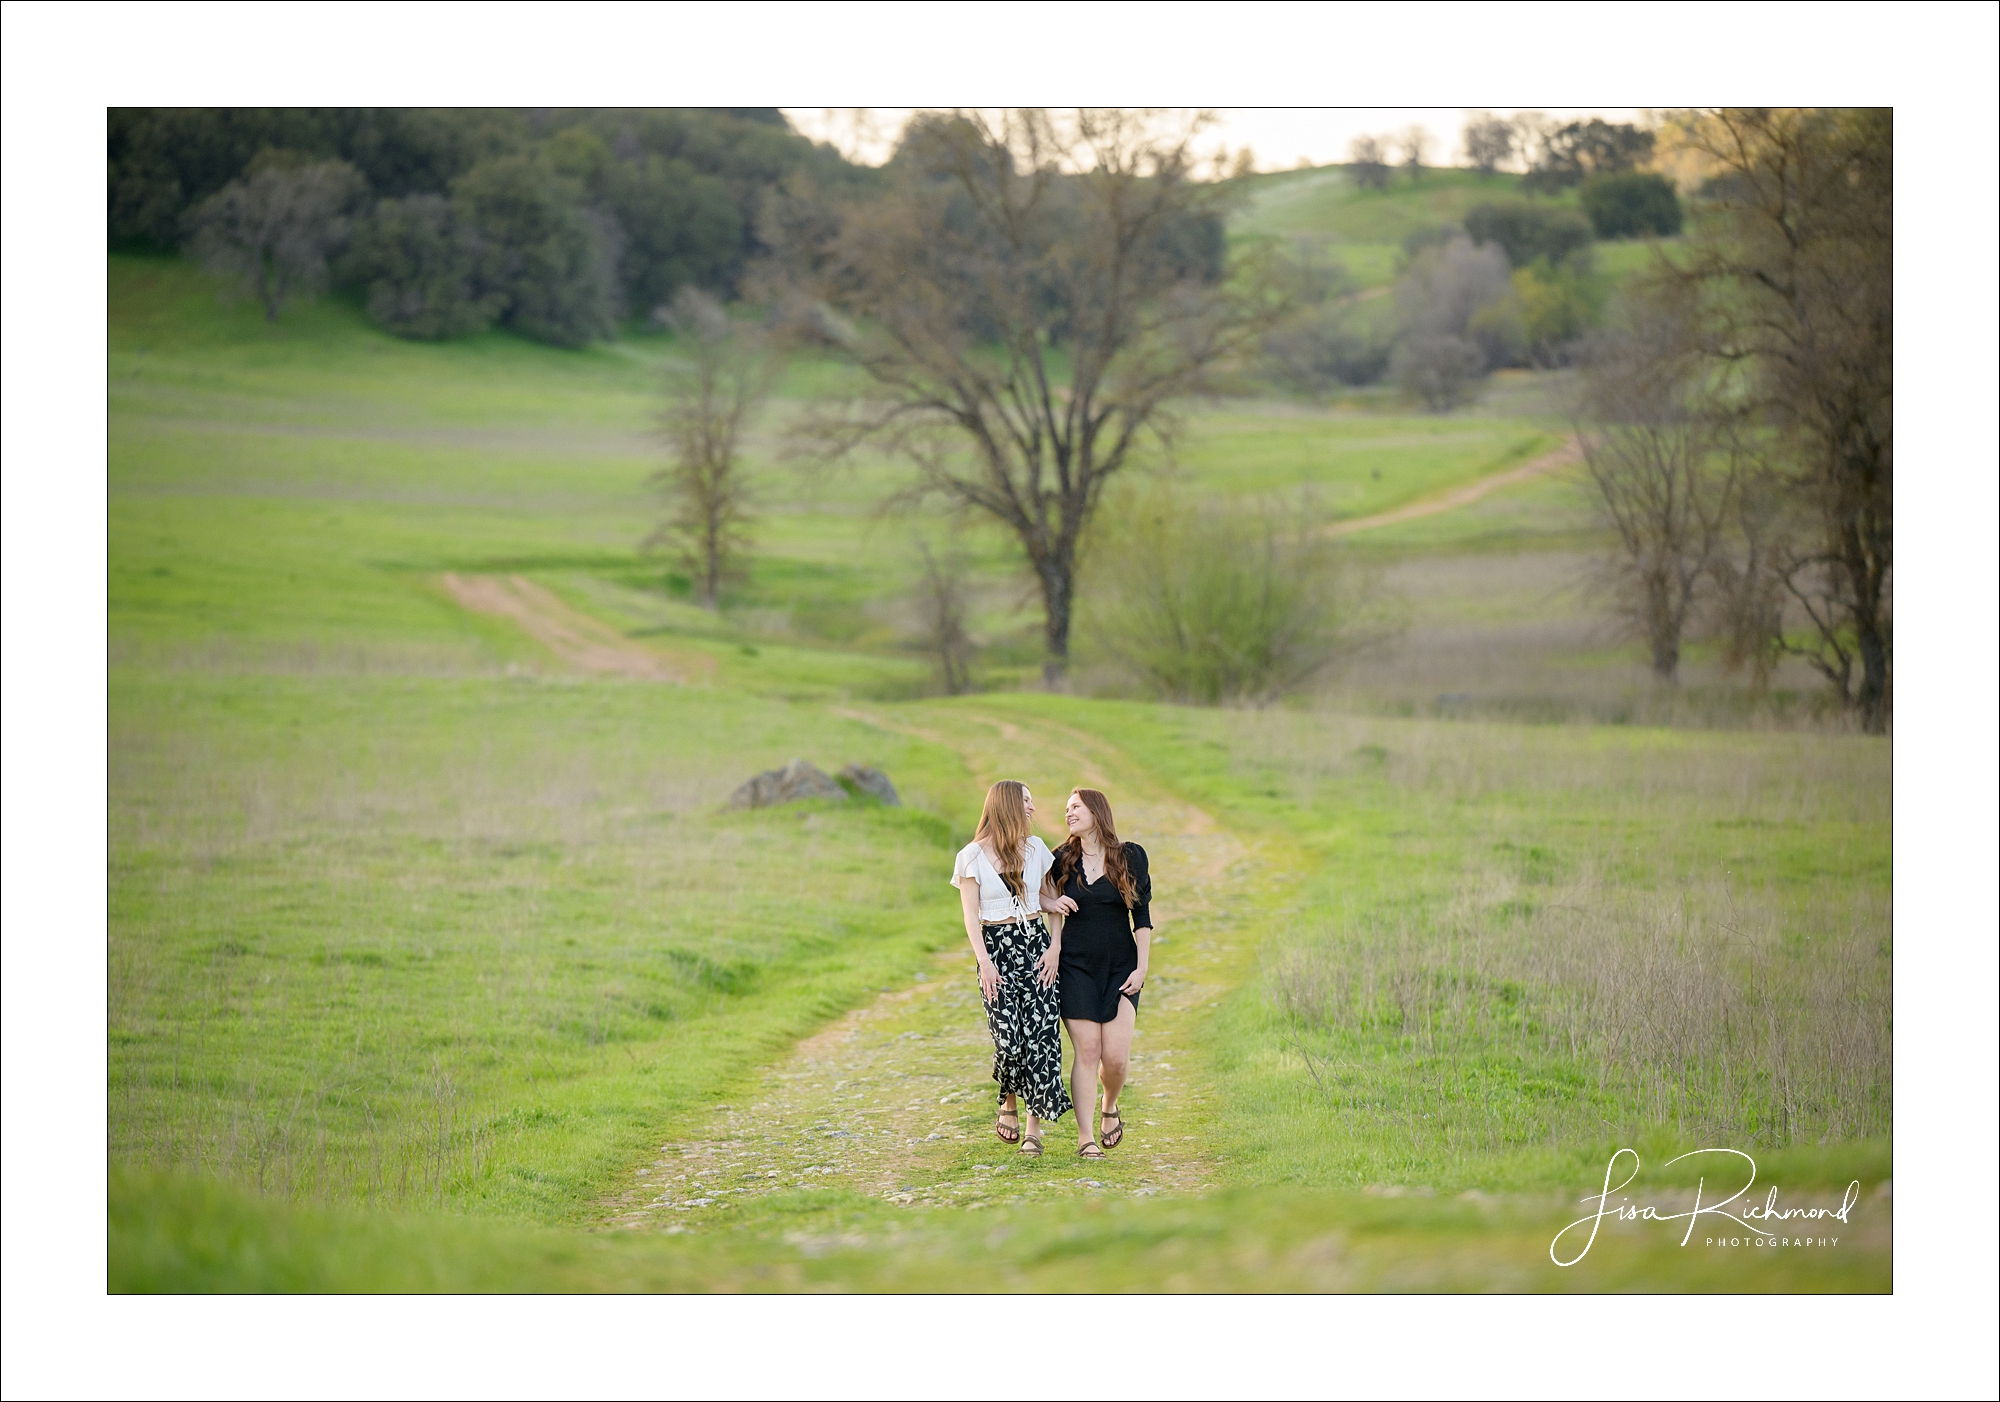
1561,456
582,642
895,1099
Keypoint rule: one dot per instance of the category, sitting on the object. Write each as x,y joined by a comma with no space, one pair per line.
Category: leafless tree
1489,142
273,229
941,596
1791,259
1453,300
1026,302
708,404
1661,471
1415,143
1368,162
1532,131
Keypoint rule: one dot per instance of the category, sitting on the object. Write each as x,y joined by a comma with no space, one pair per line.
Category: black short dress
1098,951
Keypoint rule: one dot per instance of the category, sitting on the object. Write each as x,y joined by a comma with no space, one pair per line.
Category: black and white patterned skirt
1026,1020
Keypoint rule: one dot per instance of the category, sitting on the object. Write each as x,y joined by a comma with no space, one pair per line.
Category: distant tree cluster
554,224
1369,157
1513,284
1561,157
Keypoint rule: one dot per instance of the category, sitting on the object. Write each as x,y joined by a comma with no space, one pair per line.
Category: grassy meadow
437,961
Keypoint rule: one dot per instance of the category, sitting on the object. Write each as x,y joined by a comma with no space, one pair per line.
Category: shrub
1558,307
1438,369
1327,346
419,266
548,264
1526,232
1633,205
1454,300
274,230
1206,605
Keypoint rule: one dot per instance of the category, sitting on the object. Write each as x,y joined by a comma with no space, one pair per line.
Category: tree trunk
1666,657
1058,591
1873,699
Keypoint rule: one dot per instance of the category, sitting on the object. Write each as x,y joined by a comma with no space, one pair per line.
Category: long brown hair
1004,823
1069,858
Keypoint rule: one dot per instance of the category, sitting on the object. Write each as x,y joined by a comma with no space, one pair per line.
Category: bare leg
1115,1051
1086,1039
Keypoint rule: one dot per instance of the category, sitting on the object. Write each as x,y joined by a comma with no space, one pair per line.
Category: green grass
475,941
1325,201
1350,464
419,945
1367,227
183,1236
1421,1013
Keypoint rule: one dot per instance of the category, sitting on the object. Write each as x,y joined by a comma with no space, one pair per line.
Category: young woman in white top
1003,880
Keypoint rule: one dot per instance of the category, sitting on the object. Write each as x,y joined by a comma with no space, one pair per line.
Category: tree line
556,224
1026,296
1737,415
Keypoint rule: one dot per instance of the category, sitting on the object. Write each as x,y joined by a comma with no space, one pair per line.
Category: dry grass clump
1707,1009
1689,931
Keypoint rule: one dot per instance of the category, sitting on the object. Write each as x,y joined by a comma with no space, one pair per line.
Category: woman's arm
1054,905
968,899
1142,913
1143,937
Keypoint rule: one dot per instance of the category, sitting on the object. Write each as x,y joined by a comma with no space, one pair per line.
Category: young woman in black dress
1105,945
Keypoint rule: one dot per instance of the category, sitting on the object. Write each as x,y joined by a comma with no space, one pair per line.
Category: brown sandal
1109,1136
1001,1129
1031,1145
1089,1151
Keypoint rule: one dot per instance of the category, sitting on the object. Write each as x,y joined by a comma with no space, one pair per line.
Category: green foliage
681,227
273,231
163,160
548,266
420,266
661,197
1576,151
1207,606
1632,204
1529,232
1557,307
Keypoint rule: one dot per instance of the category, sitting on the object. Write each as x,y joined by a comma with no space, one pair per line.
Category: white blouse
997,905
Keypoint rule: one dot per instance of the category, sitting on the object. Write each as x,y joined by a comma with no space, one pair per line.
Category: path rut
583,643
895,1099
1564,455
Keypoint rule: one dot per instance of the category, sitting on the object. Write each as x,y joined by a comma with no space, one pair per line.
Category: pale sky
1280,137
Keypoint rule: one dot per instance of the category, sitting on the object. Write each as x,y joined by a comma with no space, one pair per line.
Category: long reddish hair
1003,824
1069,858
